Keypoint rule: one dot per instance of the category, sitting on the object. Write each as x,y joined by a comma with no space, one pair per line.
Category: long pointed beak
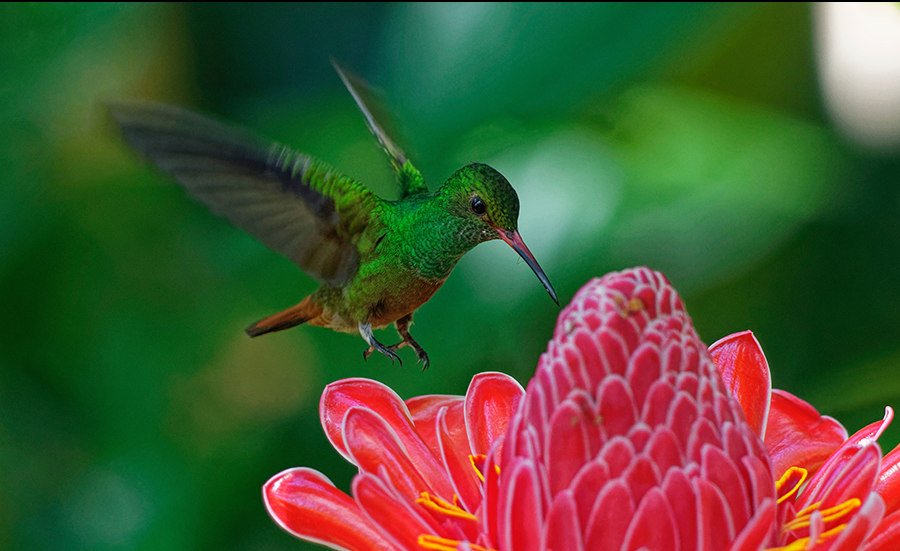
514,240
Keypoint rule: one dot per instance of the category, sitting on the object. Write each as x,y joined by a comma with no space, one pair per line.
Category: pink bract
627,438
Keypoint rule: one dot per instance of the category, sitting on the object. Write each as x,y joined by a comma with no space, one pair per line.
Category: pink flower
627,438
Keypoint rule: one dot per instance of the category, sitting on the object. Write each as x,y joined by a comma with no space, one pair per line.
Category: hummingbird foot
403,328
365,329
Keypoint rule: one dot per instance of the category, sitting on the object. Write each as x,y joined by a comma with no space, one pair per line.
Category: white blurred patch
859,64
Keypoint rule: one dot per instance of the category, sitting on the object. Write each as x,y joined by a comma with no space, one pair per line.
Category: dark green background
134,412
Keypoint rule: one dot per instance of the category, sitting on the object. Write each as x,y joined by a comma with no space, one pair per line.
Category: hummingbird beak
514,240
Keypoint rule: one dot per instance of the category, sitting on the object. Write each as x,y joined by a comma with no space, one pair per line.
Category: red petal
886,536
562,530
521,509
424,411
864,523
797,436
888,485
653,526
569,445
586,487
491,400
610,518
758,531
373,444
716,525
458,465
342,395
745,372
850,473
400,520
718,469
679,491
306,504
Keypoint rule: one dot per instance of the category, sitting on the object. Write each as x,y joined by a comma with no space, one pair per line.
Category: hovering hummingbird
378,261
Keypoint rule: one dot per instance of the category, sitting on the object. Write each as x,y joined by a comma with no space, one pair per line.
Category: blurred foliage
134,412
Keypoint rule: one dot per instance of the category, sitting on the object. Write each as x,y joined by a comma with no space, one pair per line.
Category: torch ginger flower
627,438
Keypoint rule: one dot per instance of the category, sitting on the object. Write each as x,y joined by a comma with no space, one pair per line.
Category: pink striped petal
306,504
342,395
399,521
373,443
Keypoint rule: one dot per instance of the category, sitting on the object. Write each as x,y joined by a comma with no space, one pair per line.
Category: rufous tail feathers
293,316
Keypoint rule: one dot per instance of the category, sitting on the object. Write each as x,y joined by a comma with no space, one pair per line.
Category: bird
377,260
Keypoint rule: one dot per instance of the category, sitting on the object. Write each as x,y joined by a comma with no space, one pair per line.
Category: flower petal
458,465
397,518
863,524
888,485
850,473
342,395
521,507
424,411
562,530
491,400
653,525
886,536
797,436
374,444
306,504
745,372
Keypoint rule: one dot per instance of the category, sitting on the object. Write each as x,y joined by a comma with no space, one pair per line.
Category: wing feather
294,204
411,180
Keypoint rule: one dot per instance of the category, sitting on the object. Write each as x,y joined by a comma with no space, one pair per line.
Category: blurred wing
411,181
292,203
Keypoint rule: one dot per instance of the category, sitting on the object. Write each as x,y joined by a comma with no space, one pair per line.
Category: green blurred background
136,414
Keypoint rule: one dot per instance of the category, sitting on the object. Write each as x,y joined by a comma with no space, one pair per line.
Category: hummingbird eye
478,206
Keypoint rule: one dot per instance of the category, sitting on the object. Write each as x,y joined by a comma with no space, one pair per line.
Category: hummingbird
377,260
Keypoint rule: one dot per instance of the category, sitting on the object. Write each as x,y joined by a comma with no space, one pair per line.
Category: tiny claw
366,331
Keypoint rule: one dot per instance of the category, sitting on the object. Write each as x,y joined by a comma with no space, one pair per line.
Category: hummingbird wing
294,204
411,180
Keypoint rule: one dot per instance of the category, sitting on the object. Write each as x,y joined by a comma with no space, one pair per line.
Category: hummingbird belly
379,299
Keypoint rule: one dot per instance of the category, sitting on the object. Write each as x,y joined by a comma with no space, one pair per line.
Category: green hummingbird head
489,209
483,197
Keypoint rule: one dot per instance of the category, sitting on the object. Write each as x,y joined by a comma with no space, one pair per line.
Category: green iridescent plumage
377,260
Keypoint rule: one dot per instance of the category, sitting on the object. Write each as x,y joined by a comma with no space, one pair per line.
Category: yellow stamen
802,543
786,477
803,517
437,543
440,506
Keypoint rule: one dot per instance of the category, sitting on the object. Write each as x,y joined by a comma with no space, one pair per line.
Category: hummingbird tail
293,316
